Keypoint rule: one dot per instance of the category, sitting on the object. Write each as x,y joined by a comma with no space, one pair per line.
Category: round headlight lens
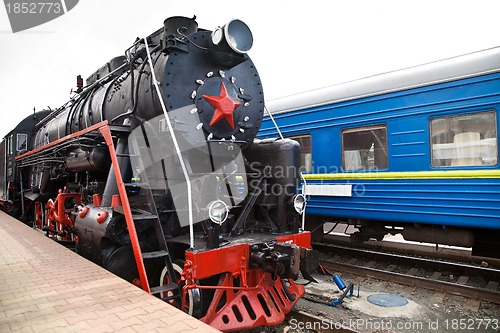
238,36
218,211
299,203
217,36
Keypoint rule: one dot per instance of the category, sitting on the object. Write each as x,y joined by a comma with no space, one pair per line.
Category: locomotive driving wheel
39,216
194,303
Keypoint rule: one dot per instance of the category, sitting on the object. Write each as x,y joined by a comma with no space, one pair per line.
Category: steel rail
441,252
453,267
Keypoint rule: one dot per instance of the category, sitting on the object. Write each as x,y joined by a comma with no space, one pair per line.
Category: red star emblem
224,106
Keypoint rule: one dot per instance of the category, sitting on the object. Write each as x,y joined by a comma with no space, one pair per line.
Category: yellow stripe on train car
451,174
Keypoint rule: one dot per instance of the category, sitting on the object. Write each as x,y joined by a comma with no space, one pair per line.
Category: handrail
127,212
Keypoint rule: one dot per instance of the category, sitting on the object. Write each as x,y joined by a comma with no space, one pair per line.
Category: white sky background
298,45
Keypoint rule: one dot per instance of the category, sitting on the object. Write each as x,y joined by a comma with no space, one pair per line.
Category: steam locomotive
153,171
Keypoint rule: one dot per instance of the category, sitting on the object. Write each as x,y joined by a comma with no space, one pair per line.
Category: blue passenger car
412,151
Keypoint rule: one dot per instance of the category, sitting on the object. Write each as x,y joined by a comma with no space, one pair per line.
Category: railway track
449,277
439,252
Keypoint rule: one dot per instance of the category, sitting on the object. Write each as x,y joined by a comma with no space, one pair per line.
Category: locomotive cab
12,182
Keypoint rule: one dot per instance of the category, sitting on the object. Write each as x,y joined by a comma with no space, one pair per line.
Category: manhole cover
387,300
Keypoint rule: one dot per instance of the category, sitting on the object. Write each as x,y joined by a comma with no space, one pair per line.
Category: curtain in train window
305,151
464,140
364,148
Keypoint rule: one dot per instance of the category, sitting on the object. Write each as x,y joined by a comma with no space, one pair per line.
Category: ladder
172,289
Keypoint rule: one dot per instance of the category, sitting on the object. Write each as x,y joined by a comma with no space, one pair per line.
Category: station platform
45,287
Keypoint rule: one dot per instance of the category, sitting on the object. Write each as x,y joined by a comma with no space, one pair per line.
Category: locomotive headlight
217,36
218,211
299,203
235,34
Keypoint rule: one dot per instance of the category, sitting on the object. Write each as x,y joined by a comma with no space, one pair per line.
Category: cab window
464,140
9,144
22,142
364,148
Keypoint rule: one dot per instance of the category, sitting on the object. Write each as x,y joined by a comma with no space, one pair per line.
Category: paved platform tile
45,287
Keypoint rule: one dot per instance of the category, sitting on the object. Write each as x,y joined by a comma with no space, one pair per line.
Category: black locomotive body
153,171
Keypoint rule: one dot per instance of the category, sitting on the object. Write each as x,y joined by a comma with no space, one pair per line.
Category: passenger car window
364,148
464,140
305,151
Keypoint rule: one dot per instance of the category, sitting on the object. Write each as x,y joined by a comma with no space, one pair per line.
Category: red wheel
39,216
